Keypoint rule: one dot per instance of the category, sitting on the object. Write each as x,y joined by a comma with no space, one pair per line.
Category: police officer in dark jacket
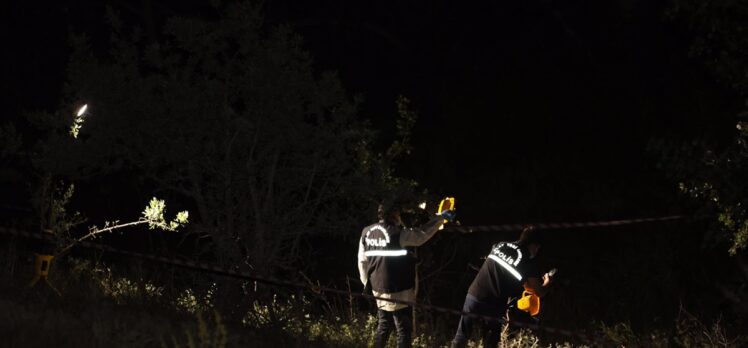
386,264
508,267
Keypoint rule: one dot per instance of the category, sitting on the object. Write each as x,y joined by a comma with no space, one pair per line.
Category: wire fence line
224,271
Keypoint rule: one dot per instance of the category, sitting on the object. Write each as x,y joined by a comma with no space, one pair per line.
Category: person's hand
548,277
448,215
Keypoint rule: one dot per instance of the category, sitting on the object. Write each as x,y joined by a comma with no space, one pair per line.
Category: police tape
223,271
558,225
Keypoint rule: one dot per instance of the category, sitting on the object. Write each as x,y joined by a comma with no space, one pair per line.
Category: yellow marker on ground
41,268
42,263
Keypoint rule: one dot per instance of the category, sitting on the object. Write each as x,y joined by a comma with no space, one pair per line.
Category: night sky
570,93
533,111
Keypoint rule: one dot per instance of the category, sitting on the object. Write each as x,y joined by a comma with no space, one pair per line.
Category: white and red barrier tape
558,225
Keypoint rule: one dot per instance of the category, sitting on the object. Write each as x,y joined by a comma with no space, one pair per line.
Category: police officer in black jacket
386,264
508,267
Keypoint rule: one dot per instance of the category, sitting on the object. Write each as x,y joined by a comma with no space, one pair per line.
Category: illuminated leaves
154,215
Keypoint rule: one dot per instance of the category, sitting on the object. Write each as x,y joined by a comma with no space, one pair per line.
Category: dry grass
99,308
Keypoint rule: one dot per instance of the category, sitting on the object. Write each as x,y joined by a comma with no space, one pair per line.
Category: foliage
714,175
692,332
10,141
229,116
78,121
718,29
713,170
52,202
152,215
207,337
687,331
102,305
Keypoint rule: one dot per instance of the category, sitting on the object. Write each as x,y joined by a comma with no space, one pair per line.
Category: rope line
558,225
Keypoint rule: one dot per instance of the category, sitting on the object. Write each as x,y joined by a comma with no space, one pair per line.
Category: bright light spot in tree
78,121
82,110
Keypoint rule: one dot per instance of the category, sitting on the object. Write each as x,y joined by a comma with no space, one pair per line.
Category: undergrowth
99,307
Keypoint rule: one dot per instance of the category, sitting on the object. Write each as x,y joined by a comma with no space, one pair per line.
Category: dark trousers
400,320
491,329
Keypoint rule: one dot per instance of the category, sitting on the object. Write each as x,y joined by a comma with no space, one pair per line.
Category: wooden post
414,322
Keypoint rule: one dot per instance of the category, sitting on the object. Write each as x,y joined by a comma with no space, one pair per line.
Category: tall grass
118,304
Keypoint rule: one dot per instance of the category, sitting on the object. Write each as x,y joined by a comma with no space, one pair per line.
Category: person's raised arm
416,236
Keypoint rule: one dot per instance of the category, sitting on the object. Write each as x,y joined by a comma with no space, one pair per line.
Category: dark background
530,111
569,93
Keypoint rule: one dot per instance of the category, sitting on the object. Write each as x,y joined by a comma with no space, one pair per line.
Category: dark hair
388,207
530,235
